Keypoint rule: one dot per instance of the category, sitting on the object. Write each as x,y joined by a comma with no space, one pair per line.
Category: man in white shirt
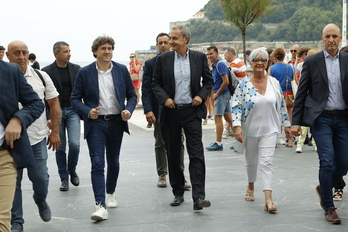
17,52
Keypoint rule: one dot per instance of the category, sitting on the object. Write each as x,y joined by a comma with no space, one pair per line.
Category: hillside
295,20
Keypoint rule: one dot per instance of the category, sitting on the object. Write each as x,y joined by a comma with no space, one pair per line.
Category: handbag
134,77
289,98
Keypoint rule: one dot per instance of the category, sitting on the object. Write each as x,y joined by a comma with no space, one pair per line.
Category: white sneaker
111,200
100,214
281,141
299,148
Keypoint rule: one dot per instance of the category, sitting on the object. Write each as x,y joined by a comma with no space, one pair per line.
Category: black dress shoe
200,204
74,178
64,186
44,211
177,201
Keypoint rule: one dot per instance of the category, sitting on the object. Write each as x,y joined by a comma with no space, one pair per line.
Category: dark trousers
175,121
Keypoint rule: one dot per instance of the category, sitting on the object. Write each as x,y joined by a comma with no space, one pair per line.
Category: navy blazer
53,71
313,89
148,98
86,89
163,83
13,89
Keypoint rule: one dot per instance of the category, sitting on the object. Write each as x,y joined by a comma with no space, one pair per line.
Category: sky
133,24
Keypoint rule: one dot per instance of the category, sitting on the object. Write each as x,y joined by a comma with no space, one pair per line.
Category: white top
39,130
108,103
264,118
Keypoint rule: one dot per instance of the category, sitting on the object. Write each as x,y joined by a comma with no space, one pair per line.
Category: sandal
270,207
338,195
249,196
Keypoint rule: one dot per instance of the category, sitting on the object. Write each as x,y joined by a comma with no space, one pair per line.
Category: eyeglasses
258,60
293,51
131,56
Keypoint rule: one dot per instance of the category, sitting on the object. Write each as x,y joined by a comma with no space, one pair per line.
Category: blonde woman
134,70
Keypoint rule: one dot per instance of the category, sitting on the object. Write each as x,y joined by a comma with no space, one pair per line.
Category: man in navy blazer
99,95
182,82
321,103
15,149
63,74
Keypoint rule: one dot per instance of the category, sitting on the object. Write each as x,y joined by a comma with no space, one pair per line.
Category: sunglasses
258,60
293,51
131,56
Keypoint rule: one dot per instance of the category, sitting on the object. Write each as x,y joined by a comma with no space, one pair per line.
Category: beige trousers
8,175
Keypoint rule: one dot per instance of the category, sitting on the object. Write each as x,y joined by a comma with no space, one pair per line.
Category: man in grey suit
321,103
181,83
63,74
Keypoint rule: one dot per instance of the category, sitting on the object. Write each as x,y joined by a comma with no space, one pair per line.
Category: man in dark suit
182,82
151,108
100,93
321,103
63,74
15,149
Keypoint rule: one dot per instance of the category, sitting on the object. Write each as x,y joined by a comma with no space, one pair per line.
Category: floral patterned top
244,99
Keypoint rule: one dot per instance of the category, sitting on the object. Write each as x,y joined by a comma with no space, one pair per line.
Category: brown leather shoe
162,183
317,189
331,216
187,186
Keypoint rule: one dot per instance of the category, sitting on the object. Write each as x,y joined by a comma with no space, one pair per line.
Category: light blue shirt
182,75
335,100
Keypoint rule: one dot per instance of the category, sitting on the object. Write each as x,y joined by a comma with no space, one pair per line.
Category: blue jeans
70,123
104,135
38,175
331,136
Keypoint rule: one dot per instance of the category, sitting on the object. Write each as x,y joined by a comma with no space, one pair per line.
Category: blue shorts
222,104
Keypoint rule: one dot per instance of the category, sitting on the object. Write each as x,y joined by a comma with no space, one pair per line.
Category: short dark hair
58,45
214,48
32,56
2,48
101,40
160,35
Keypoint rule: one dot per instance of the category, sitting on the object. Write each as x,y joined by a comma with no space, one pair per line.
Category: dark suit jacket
53,71
313,90
86,88
13,89
163,83
148,98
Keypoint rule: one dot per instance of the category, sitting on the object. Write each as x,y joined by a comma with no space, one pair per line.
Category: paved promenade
144,207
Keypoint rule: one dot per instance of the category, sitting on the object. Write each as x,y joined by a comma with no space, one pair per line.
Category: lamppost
344,23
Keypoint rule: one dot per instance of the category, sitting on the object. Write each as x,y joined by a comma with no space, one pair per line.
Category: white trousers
259,151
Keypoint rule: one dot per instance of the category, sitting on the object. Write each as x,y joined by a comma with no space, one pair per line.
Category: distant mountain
295,20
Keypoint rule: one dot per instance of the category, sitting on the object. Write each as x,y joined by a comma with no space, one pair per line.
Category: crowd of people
270,97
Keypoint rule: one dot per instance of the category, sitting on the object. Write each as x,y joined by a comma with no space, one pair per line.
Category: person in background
182,82
247,58
2,52
151,109
63,74
221,97
104,96
284,73
15,149
134,70
32,61
258,109
294,50
17,52
340,184
321,103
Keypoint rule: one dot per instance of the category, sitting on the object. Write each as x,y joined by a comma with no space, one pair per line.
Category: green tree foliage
242,13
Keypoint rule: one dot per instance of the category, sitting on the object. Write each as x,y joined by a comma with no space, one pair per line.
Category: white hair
257,52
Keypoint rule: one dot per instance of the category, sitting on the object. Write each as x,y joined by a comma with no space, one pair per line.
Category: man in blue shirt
221,96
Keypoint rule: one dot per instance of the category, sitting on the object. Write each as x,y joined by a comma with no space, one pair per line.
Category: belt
182,106
2,147
336,112
110,117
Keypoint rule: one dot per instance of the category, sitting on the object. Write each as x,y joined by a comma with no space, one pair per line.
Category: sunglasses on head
293,51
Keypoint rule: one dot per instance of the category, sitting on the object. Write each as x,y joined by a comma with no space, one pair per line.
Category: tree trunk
244,43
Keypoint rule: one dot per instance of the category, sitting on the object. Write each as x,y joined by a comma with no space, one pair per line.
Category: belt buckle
180,106
106,118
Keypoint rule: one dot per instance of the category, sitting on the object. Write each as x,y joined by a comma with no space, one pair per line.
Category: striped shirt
239,69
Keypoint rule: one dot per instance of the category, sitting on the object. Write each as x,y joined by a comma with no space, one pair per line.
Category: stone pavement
144,207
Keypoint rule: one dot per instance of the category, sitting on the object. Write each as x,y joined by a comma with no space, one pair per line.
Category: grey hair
185,31
257,52
57,45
